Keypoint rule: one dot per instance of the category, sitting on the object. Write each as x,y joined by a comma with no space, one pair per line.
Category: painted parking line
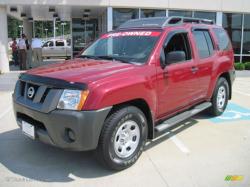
233,112
242,93
5,112
183,148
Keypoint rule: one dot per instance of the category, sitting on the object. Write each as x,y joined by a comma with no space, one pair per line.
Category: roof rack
161,22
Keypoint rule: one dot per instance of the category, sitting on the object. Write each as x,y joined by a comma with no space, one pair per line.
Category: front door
177,82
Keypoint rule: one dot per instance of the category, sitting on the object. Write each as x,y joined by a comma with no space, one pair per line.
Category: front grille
40,92
22,88
36,96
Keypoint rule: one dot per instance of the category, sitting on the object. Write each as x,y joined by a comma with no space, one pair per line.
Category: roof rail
189,20
161,22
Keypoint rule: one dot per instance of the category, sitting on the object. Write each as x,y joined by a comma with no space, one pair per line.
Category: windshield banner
132,33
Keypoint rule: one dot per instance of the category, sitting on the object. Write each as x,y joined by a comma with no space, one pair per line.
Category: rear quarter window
60,43
202,44
223,39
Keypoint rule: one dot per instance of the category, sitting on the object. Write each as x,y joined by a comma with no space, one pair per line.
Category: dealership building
90,18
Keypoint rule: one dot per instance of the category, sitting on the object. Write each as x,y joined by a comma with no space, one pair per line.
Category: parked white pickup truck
56,48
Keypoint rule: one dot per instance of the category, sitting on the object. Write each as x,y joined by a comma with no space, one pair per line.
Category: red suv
143,78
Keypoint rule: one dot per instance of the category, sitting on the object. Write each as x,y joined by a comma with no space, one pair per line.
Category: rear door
60,49
205,58
177,87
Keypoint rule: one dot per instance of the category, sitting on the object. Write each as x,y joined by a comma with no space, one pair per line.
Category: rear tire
220,97
122,139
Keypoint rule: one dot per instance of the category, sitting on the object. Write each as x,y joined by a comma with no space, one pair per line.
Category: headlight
72,99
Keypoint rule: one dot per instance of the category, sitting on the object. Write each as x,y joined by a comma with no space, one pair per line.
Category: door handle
194,69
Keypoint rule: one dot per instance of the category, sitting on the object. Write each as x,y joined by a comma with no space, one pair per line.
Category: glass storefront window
205,15
232,23
180,13
40,26
121,15
246,39
145,13
83,33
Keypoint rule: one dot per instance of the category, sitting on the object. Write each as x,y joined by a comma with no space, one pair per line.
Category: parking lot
201,152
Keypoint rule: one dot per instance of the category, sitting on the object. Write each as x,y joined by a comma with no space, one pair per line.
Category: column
4,61
219,18
54,27
110,18
166,12
28,31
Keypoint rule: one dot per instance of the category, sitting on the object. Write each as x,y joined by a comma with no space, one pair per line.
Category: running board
182,116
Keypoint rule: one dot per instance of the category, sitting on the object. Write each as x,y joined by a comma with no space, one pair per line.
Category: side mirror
175,56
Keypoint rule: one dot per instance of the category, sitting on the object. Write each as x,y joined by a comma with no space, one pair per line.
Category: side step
182,116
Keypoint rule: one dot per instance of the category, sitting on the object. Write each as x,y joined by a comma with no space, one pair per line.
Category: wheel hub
127,139
221,97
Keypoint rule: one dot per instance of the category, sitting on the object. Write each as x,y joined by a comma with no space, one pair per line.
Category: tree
13,27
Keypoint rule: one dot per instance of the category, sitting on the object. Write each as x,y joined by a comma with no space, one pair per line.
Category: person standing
22,46
14,51
36,46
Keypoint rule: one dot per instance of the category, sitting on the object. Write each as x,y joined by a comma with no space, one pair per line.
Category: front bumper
53,127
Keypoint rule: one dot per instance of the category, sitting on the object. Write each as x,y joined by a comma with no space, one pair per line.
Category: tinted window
232,23
179,42
145,13
59,43
48,44
222,37
209,42
205,15
180,13
121,15
201,44
246,41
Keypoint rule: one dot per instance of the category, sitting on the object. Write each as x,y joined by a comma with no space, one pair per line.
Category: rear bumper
53,127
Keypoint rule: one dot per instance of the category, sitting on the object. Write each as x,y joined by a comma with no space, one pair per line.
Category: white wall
4,63
211,5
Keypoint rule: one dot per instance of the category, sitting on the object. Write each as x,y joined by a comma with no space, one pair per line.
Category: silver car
57,48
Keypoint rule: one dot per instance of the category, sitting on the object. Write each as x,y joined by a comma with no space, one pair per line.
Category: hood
82,70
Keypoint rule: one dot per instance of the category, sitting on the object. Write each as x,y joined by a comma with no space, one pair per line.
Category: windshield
127,46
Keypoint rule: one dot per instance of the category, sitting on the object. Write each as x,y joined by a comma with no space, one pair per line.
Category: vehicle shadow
40,162
37,161
165,135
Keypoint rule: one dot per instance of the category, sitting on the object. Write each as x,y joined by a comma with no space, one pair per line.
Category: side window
179,43
209,42
50,44
201,43
222,37
59,43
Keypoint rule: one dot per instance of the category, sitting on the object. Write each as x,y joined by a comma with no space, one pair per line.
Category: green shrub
247,65
239,66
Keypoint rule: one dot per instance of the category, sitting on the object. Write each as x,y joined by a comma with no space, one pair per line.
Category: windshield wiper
104,57
113,58
89,56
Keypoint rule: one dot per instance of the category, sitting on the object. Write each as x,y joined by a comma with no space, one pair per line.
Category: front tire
220,97
122,138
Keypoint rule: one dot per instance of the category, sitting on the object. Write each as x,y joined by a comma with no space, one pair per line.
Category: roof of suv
161,22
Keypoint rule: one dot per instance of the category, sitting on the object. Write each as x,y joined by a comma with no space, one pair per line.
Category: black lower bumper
54,127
